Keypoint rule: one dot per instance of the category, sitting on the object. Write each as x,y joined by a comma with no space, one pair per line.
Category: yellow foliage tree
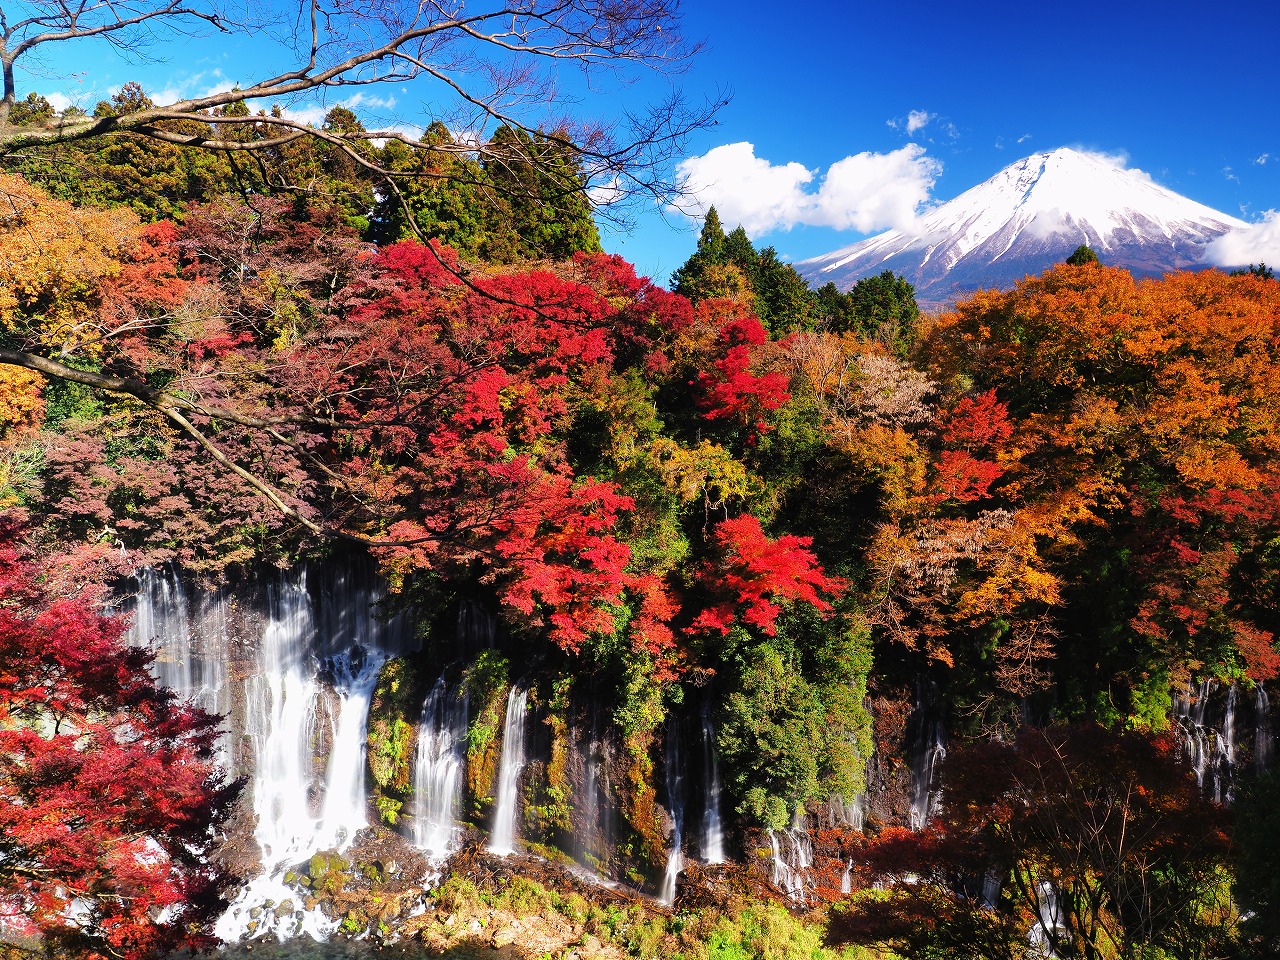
53,257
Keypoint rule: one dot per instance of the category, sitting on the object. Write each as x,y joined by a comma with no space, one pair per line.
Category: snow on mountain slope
1028,216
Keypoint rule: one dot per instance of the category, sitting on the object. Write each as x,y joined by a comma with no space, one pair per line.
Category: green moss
388,809
327,872
457,893
393,715
486,683
548,810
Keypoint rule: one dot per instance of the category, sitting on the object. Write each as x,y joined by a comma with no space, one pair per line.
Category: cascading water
712,826
1191,710
346,801
847,813
928,748
675,807
594,822
162,620
1263,738
477,629
1224,765
991,889
307,704
503,839
792,852
192,652
438,769
1050,924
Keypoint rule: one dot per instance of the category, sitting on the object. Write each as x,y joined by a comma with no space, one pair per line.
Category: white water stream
502,840
712,826
438,770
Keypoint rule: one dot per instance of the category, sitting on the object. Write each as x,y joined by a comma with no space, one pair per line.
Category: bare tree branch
497,59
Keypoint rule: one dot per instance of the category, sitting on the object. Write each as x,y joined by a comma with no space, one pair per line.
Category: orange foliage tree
1142,459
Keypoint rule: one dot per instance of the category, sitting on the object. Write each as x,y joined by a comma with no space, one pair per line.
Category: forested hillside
839,553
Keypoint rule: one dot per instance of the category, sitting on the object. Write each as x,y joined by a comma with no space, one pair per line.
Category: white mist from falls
502,840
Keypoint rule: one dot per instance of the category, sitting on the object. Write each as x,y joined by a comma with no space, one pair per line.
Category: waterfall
438,768
846,878
792,853
345,812
675,807
1191,709
282,724
847,813
1050,920
1225,761
502,841
927,749
991,889
191,651
297,701
1229,726
1263,739
477,630
594,811
712,827
306,706
162,620
1200,702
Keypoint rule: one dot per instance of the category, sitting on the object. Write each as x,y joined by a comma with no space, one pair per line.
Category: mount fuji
1030,215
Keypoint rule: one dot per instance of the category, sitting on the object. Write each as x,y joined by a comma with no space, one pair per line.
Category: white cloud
743,188
60,101
1230,174
870,191
918,120
186,86
1024,138
603,194
360,104
863,192
313,114
915,121
1255,243
1262,159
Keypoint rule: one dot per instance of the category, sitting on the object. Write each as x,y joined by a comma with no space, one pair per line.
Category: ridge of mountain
1030,215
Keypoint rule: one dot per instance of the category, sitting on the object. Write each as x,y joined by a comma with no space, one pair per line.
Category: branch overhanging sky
851,118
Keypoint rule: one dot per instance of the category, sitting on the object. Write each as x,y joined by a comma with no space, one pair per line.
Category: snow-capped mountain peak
1027,217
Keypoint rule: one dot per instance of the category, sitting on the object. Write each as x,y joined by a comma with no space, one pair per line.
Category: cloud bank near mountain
863,192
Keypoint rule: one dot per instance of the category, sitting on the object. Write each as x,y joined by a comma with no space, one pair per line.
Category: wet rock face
890,785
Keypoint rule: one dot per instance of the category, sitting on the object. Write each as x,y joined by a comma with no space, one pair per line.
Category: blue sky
1185,91
856,114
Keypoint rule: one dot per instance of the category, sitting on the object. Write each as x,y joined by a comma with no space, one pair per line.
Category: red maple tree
108,789
752,575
